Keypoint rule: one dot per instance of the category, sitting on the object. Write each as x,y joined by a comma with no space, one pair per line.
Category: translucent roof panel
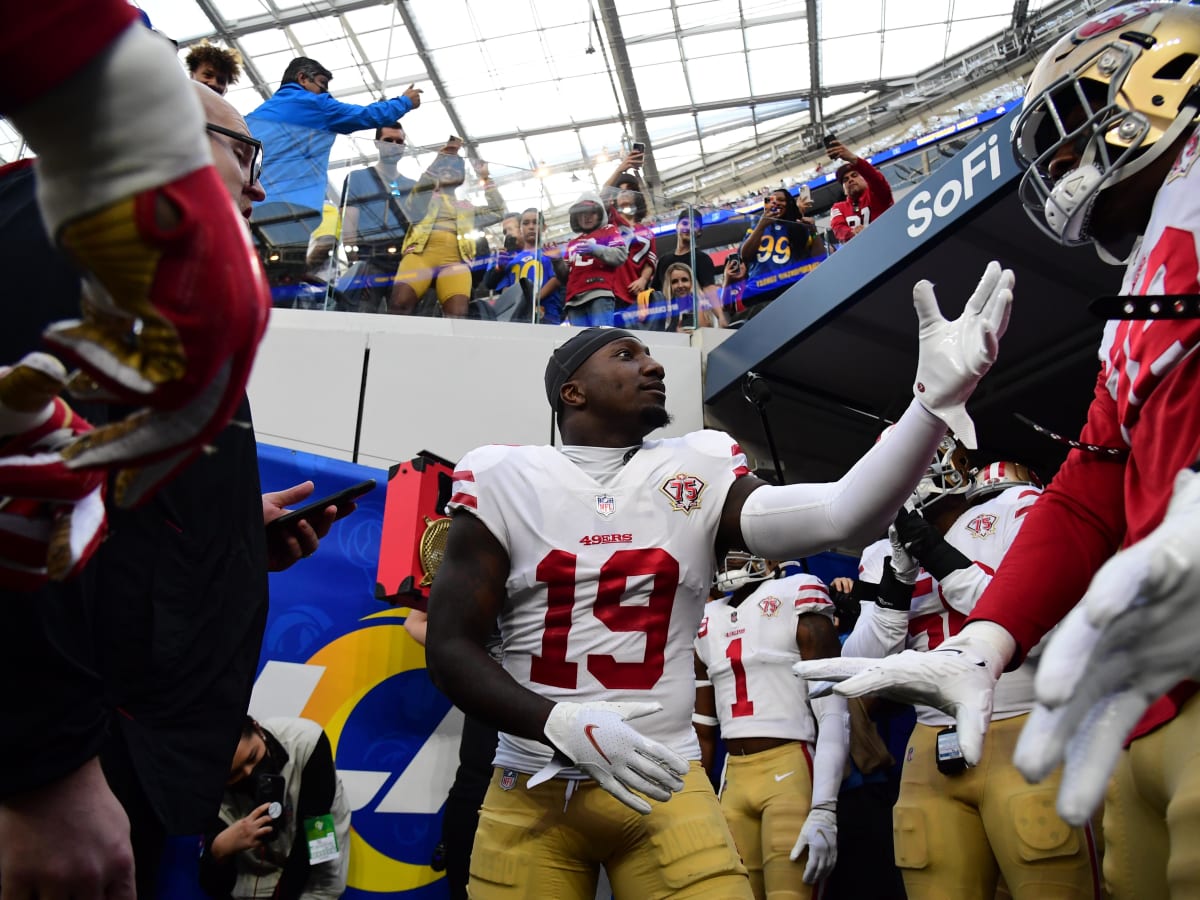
548,80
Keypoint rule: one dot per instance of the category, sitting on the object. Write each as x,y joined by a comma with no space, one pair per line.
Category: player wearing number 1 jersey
596,560
786,761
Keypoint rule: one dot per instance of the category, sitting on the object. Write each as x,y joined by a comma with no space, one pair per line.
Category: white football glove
1130,639
953,356
819,837
959,678
594,737
904,567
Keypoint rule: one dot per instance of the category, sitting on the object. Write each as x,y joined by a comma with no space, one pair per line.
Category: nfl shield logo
606,505
508,780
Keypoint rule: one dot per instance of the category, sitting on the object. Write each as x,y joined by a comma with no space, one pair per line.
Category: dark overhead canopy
839,349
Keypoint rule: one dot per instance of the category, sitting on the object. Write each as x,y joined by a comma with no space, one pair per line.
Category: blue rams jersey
536,267
783,258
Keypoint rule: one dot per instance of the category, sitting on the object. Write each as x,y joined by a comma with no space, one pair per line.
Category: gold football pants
766,797
955,834
549,843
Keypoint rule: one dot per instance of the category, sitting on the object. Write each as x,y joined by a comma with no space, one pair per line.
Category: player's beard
655,417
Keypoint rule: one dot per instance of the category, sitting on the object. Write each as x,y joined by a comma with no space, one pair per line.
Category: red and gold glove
51,516
171,321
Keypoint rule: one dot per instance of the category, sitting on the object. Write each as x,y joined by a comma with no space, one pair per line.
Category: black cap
566,360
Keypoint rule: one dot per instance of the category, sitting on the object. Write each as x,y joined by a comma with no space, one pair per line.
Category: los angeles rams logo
982,525
683,491
769,606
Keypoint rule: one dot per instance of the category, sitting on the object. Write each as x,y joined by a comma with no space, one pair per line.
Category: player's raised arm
783,522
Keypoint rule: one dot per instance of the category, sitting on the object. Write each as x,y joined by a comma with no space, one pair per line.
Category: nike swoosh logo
587,732
785,775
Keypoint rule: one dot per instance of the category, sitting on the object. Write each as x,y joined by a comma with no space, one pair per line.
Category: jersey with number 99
606,583
749,650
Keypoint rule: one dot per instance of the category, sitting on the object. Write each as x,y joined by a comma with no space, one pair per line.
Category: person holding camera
438,248
284,827
868,194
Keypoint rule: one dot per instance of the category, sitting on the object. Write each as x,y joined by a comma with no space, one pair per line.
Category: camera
638,147
830,139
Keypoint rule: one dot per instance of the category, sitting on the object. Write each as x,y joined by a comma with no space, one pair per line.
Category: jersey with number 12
606,582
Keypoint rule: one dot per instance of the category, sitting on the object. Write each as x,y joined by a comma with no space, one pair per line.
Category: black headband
567,359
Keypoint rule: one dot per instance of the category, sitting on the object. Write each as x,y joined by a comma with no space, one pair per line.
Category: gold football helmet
1120,88
1000,476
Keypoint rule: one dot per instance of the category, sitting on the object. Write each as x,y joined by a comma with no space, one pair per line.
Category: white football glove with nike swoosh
594,737
959,678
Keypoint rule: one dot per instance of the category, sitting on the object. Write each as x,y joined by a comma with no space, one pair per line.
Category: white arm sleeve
877,633
833,745
789,521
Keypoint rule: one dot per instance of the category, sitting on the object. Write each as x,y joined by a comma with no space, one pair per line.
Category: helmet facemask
948,474
1121,88
740,569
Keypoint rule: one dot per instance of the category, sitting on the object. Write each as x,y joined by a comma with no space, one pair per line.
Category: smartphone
638,147
830,139
316,507
804,195
269,788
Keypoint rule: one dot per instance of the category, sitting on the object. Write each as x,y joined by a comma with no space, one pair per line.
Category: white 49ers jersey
606,583
983,534
749,650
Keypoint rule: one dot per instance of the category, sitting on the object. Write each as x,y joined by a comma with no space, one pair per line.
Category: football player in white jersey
596,559
958,829
786,760
1108,135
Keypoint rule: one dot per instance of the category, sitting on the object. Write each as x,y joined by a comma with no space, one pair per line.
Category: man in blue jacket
297,127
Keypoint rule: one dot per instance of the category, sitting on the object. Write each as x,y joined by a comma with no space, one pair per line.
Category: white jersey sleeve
878,632
607,582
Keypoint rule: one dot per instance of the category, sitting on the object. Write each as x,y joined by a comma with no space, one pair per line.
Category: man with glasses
130,683
297,127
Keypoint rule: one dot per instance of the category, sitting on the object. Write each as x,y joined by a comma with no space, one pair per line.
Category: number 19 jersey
607,582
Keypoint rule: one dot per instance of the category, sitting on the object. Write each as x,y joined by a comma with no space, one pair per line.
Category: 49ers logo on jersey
683,491
769,606
982,525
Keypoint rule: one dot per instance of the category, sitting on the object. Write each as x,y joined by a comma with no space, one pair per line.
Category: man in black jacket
132,680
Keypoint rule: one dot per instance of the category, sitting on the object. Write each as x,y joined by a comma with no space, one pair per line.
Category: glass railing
359,225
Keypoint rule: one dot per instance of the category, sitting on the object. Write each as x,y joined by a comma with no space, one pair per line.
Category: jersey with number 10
749,650
606,583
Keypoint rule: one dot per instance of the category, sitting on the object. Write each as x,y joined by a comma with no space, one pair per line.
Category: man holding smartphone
131,681
868,194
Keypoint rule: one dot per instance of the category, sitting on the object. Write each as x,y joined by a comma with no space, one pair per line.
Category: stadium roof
558,88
